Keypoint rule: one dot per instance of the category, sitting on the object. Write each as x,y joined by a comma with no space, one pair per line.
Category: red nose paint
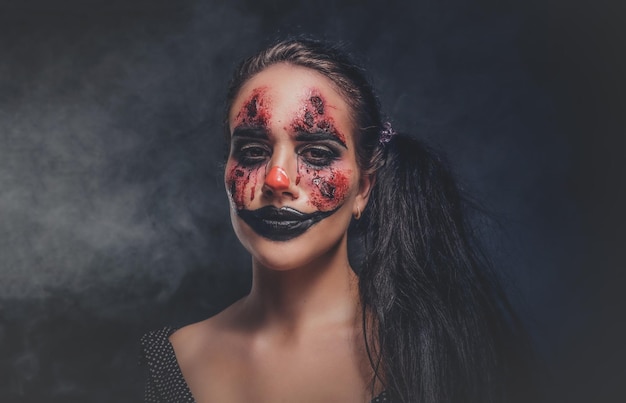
277,178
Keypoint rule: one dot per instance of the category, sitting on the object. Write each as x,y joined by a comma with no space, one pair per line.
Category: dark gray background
113,218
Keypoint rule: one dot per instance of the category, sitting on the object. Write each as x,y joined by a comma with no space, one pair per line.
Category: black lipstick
281,224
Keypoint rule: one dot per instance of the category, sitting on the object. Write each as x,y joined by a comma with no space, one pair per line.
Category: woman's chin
298,252
281,255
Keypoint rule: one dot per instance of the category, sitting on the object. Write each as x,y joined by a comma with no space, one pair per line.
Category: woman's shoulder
168,344
164,341
202,342
188,339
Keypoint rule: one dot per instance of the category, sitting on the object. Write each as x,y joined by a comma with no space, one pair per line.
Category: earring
358,213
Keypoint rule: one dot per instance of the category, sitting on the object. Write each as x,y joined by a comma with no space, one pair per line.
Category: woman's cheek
242,184
328,187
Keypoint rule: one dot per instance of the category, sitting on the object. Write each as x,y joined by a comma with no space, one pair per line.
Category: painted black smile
281,224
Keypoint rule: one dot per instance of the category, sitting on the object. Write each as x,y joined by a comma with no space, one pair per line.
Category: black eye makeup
318,155
252,147
319,149
250,153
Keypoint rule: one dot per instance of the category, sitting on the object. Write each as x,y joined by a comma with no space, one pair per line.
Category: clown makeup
313,119
251,124
317,167
256,111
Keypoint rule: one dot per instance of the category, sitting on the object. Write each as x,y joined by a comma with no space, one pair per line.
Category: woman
422,321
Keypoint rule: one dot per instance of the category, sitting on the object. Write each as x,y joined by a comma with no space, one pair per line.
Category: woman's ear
366,183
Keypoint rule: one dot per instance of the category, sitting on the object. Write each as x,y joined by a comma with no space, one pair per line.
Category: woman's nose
277,179
278,183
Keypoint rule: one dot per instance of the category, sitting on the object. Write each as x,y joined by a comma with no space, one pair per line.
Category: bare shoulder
197,340
206,351
188,338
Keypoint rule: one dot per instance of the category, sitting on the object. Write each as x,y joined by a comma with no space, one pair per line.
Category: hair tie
386,134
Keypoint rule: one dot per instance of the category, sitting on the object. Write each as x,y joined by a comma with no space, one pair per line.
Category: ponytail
437,315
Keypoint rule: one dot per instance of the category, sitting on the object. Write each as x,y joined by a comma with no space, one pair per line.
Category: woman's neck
324,292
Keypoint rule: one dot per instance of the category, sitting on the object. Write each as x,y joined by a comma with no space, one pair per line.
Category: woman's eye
318,156
252,154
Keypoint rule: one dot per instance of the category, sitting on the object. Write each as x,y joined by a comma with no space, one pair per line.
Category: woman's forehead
286,88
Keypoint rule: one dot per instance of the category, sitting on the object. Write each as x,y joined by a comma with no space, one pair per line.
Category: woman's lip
281,224
278,214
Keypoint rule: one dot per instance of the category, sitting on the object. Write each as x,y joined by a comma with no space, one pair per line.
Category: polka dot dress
165,382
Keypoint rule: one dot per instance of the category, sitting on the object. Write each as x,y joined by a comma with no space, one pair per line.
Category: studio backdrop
113,215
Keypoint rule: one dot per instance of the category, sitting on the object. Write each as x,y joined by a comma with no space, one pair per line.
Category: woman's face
292,174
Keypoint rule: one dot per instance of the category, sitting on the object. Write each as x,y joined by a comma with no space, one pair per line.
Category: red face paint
315,119
327,188
255,110
243,178
328,184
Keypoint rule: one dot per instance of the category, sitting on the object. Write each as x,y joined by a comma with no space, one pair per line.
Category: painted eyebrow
319,136
259,133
